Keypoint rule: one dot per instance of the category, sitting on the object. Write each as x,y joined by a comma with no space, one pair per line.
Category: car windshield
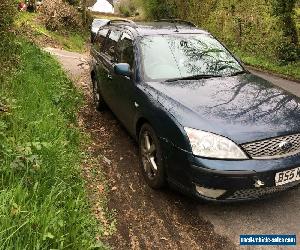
182,56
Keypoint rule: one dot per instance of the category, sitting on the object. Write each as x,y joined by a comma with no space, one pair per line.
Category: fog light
211,193
259,184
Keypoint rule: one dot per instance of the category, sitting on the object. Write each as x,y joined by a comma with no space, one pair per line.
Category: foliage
288,48
73,2
71,41
58,15
8,47
157,9
126,8
30,26
43,203
291,70
7,13
258,28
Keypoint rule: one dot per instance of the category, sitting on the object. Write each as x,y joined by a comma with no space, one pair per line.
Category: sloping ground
29,25
43,200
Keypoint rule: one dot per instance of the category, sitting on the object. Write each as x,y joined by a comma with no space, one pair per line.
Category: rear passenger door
108,62
98,55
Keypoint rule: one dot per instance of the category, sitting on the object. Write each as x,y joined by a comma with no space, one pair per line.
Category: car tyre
151,159
98,100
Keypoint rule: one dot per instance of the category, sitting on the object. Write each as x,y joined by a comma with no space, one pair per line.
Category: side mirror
123,69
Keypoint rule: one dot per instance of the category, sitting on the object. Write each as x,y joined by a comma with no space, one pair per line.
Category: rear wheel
98,100
151,157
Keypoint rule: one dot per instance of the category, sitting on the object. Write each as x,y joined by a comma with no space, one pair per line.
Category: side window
125,50
112,43
100,40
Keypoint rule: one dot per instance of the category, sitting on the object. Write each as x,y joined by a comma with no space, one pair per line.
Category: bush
288,48
8,47
7,13
59,16
157,9
255,27
74,2
126,8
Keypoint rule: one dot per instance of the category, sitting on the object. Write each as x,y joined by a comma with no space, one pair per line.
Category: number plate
287,176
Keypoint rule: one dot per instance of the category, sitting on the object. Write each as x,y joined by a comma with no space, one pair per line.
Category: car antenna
174,22
176,27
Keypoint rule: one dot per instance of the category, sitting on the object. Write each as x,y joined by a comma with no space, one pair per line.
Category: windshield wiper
195,77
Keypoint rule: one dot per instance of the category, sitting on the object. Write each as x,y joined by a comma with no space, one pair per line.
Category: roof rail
177,21
128,22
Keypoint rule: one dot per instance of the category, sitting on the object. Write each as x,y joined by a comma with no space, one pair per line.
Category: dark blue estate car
204,124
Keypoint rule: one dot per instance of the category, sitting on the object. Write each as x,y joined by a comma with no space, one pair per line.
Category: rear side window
100,39
112,43
125,52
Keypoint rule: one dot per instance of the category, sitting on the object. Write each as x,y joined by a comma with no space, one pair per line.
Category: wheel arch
140,122
93,74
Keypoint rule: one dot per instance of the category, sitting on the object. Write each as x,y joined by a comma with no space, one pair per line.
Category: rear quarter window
112,43
99,43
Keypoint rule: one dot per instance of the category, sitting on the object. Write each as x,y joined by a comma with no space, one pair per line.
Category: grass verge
29,24
291,70
42,197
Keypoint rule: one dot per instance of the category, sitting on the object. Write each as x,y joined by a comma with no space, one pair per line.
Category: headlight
209,145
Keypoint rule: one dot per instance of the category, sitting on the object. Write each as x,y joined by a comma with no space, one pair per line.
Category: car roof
152,28
158,27
100,20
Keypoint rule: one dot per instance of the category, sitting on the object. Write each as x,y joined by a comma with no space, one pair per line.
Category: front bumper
239,179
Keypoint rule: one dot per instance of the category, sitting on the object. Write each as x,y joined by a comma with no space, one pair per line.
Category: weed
42,197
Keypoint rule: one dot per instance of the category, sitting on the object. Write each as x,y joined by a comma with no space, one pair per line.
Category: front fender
165,125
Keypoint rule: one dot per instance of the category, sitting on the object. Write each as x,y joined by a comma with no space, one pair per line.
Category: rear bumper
241,180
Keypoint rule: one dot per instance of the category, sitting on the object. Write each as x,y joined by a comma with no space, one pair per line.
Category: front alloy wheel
151,157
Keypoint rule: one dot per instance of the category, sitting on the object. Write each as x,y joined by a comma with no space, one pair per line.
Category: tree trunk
84,16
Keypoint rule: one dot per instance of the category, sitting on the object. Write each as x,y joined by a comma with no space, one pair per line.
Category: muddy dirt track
148,219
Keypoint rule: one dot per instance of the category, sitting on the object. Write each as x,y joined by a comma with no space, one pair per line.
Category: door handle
109,76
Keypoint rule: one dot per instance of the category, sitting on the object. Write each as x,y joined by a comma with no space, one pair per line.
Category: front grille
270,148
254,193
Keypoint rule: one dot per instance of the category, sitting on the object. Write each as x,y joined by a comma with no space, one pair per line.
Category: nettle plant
16,156
27,156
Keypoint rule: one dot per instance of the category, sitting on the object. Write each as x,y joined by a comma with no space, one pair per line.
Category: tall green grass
291,70
36,30
42,199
